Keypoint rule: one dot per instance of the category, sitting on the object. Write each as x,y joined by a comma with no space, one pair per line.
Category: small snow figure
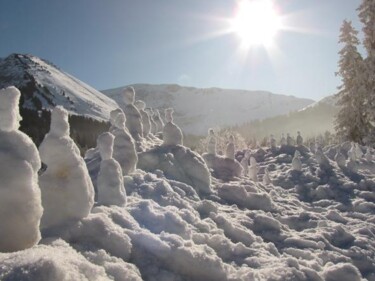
289,139
229,153
67,190
272,142
313,147
124,147
112,118
358,151
110,181
133,117
368,154
352,153
266,177
282,140
153,129
211,146
320,157
296,161
159,122
340,158
299,139
146,122
20,199
245,163
172,134
253,169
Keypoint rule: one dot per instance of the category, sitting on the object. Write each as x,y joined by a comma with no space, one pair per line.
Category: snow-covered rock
179,163
20,198
67,190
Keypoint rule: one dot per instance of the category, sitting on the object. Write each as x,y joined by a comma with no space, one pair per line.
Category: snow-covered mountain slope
43,85
196,110
311,121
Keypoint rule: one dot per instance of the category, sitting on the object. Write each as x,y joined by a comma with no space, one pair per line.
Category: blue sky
112,43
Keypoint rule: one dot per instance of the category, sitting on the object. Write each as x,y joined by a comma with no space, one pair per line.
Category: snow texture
66,176
20,199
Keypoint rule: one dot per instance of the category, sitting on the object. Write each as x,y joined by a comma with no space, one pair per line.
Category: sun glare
256,22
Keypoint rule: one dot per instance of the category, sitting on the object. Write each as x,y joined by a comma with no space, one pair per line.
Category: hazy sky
111,43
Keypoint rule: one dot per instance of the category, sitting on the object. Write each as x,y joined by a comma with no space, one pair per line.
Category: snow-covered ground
197,110
314,224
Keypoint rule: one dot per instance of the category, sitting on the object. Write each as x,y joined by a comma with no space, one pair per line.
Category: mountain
197,110
43,85
311,121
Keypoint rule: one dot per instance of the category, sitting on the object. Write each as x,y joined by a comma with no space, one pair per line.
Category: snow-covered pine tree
351,120
366,13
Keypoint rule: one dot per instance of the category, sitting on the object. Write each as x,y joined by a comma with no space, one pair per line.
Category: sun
256,22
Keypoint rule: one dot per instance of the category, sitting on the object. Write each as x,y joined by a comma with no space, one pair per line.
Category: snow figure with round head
245,163
340,158
110,181
211,145
153,128
352,153
112,118
272,142
289,140
296,161
358,151
368,154
20,198
299,139
172,134
313,147
266,177
133,117
282,140
67,190
146,122
159,122
320,157
229,153
253,169
124,147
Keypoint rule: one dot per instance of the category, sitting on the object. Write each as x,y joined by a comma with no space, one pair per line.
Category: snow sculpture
358,151
266,177
146,122
272,142
368,154
313,147
296,161
282,140
289,140
67,190
110,181
158,121
245,163
153,129
112,118
299,139
172,134
340,158
211,146
229,153
20,199
124,147
133,117
352,153
253,169
320,157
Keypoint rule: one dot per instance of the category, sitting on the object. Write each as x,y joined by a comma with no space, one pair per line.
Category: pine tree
351,121
366,13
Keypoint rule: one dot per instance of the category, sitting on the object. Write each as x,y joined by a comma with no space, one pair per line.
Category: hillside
197,110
